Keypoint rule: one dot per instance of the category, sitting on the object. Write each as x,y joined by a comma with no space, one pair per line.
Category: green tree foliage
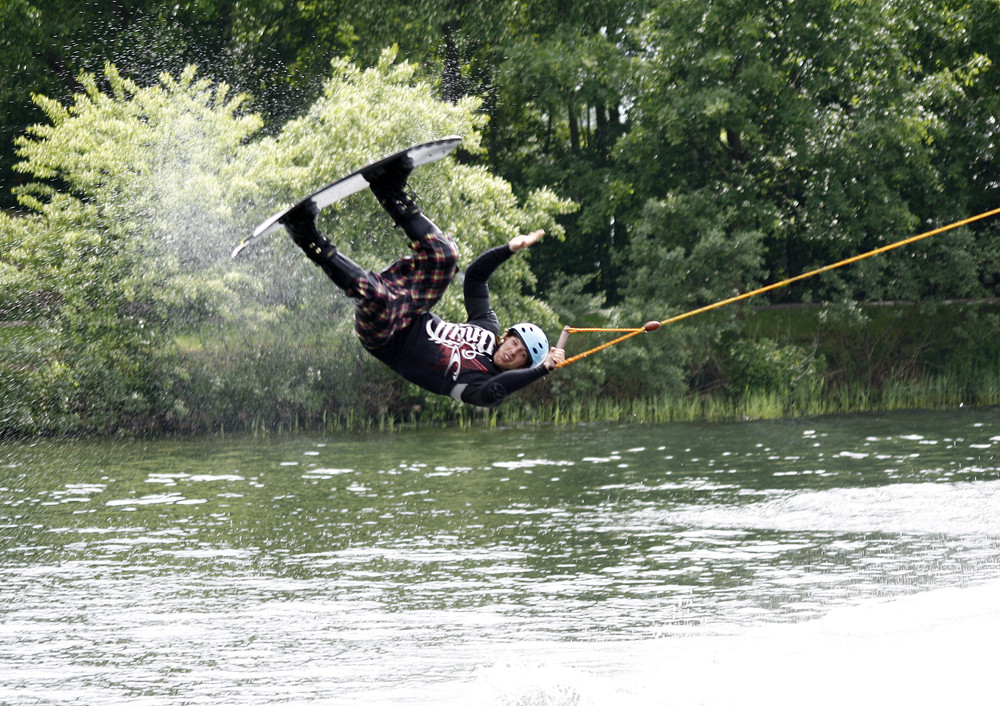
792,135
278,51
562,105
131,186
19,76
825,124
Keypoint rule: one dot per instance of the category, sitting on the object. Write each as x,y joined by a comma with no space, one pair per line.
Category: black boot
301,227
388,183
300,223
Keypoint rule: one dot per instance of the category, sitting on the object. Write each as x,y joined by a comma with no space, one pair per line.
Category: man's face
511,354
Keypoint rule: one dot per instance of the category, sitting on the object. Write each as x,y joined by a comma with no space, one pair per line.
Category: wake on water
954,509
935,648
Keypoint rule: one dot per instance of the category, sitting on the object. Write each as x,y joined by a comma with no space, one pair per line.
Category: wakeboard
354,182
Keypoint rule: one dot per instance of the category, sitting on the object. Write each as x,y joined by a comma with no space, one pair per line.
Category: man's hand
520,242
554,358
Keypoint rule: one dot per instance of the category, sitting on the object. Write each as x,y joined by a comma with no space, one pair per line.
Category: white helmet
534,340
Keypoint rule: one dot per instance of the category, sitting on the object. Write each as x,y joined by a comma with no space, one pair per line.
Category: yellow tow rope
653,325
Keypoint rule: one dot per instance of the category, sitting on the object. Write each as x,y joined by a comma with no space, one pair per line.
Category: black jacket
457,359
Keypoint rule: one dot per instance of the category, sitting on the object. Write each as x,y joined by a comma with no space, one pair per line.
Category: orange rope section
653,325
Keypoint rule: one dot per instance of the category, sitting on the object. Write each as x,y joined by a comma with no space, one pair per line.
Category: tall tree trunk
574,129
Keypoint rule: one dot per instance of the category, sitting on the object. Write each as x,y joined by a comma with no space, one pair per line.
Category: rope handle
649,326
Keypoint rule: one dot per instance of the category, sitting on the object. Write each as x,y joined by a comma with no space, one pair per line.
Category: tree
821,123
129,187
252,45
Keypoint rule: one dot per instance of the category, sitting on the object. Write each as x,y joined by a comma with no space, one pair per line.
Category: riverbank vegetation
677,153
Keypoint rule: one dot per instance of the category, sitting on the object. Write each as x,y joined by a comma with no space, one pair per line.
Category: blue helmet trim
534,340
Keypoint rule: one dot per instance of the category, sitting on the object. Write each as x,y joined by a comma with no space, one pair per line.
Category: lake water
840,560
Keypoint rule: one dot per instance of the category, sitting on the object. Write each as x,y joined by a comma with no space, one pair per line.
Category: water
834,560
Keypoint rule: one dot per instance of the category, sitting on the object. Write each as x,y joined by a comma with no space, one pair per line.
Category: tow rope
653,325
